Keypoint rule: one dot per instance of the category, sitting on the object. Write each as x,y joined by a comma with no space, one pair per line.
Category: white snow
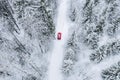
62,26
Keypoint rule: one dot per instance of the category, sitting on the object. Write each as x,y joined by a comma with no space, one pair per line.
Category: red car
59,35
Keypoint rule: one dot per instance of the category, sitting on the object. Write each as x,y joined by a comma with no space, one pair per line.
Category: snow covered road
58,49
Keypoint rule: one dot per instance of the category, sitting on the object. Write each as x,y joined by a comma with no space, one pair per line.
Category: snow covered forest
89,48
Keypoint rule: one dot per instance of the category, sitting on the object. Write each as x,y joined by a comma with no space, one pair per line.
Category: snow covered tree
26,32
105,51
97,33
112,73
70,55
